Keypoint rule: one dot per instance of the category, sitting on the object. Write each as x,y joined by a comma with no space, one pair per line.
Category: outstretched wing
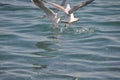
38,3
80,5
59,7
55,9
63,2
41,5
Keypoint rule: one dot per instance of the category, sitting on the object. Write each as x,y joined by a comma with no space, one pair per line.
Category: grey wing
80,5
63,2
57,6
41,5
38,3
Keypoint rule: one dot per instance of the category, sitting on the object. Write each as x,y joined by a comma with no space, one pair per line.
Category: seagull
69,11
55,10
50,14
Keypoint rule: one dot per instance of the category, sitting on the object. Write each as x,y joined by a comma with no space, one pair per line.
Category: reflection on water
46,45
30,49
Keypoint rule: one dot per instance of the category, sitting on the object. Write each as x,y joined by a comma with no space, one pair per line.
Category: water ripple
30,49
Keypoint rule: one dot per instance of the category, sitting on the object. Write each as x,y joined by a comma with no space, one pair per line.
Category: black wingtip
89,1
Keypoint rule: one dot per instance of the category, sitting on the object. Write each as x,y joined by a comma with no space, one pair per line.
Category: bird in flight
69,12
50,14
